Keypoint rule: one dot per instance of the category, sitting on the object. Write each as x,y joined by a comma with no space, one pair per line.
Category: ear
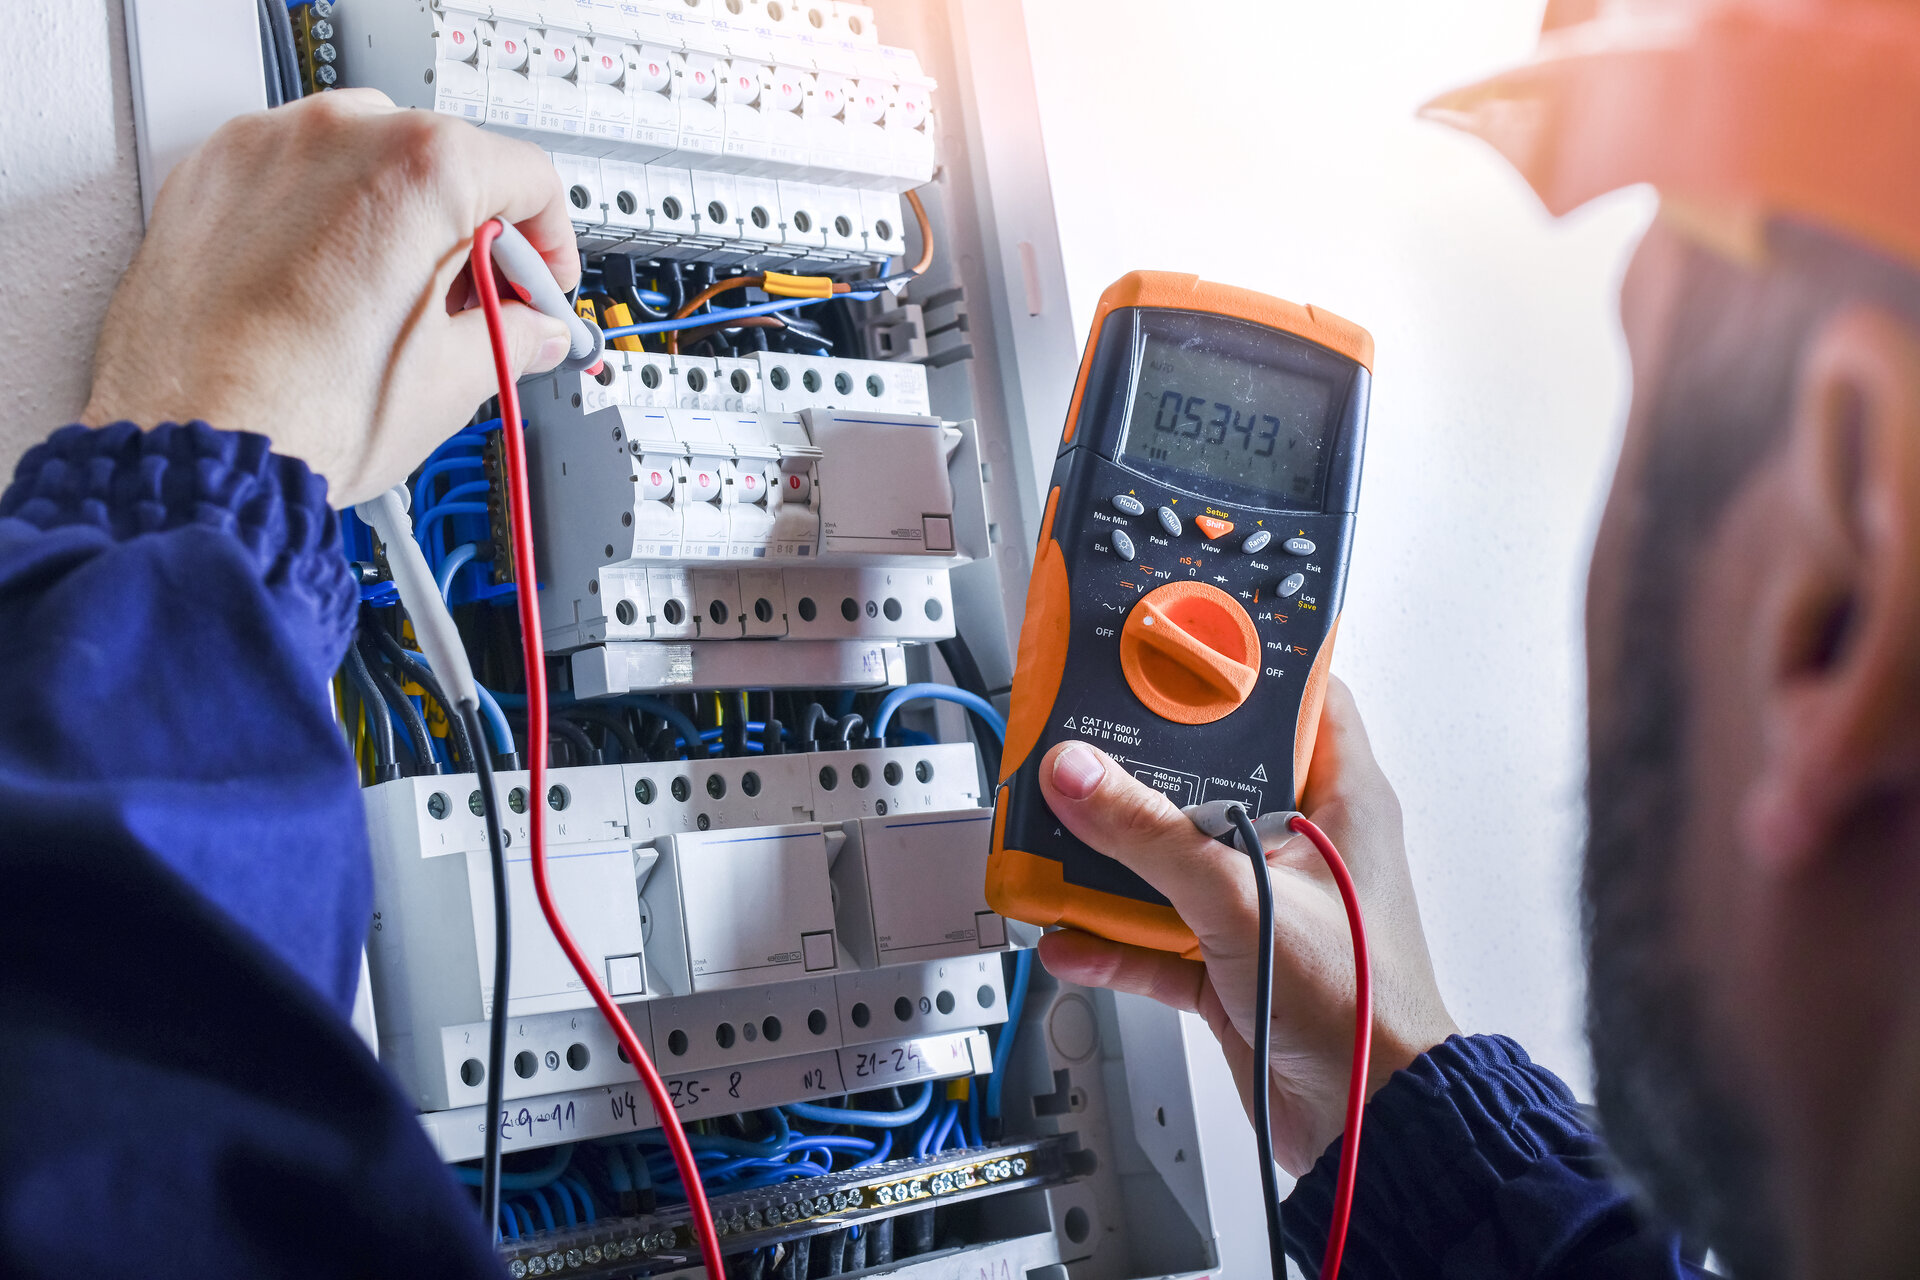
1843,685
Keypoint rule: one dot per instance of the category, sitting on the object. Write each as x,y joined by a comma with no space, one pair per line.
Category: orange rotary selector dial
1189,651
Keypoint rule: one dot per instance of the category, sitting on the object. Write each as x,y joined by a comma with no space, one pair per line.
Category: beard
1693,1148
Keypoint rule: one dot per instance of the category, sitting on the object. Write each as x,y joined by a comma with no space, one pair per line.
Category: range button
1257,541
1127,504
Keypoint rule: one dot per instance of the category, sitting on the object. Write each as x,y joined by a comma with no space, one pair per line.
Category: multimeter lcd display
1223,416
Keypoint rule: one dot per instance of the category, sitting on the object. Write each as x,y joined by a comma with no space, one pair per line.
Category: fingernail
1077,771
552,352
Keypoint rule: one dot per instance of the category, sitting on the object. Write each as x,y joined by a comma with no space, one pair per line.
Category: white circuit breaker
677,877
683,130
682,509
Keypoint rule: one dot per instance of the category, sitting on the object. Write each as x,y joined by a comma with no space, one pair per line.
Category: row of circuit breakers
713,498
779,927
754,131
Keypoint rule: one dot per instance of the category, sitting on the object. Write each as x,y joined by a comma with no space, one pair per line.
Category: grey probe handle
522,264
1211,818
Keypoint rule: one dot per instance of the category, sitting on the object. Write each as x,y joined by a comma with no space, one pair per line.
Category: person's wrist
1394,1050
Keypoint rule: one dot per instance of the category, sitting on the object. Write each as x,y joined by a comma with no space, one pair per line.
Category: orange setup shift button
1212,527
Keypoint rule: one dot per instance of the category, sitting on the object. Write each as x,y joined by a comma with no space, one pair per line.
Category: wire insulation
1362,1047
1263,1041
520,504
502,971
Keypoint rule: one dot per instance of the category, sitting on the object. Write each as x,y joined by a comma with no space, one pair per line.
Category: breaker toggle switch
559,59
462,44
752,485
795,485
604,65
509,48
652,72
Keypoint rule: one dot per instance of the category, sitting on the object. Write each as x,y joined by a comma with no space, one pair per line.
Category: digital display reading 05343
1223,417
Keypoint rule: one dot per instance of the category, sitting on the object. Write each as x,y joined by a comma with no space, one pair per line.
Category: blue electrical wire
509,1225
457,559
1003,1051
706,318
948,1118
525,1179
440,464
441,510
864,1119
584,1194
883,716
880,1154
564,1194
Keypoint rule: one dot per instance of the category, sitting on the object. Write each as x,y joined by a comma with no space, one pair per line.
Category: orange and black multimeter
1192,559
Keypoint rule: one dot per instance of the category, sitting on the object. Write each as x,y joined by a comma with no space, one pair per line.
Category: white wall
1272,143
69,207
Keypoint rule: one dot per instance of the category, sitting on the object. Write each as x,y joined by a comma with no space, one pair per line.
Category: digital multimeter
1187,585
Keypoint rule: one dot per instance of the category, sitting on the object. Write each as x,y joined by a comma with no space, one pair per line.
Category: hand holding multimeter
1181,615
1192,559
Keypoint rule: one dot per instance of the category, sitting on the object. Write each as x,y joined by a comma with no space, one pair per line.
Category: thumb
535,343
1209,884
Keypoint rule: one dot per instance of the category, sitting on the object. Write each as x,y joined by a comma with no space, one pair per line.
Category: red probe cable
520,508
1362,1049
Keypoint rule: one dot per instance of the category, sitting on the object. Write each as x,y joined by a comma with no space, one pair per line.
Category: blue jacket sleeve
187,883
1476,1162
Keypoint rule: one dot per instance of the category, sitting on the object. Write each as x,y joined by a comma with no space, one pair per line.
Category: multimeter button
1298,546
1169,521
1122,545
1292,583
1212,527
1127,504
1257,540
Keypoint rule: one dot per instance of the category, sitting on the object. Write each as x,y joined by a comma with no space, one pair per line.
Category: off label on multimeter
1187,585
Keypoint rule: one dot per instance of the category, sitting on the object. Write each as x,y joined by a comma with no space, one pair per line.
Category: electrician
184,877
1752,877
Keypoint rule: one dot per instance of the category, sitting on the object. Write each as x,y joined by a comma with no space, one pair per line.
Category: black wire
269,54
386,767
733,735
409,714
502,960
282,23
613,722
422,675
1263,1039
575,737
810,724
967,674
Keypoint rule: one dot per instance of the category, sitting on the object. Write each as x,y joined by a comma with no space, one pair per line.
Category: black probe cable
469,713
1263,1040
